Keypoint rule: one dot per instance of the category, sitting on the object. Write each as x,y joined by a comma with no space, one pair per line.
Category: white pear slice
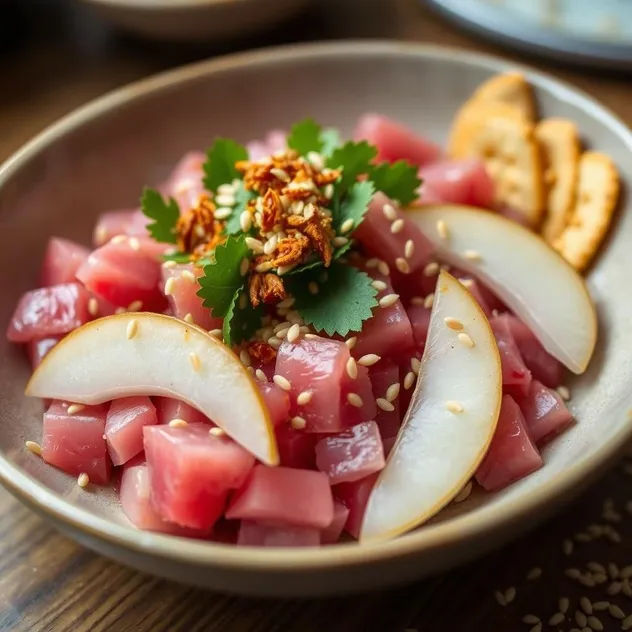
152,354
450,422
540,287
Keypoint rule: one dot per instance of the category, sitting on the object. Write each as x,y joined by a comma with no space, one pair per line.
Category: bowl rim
285,560
162,5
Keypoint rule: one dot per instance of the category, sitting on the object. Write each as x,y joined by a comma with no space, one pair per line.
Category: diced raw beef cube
352,454
512,454
185,182
49,311
385,375
37,349
516,376
387,445
475,289
277,401
351,414
355,497
296,447
458,182
419,317
168,409
375,234
332,533
542,365
284,495
112,223
191,472
61,261
255,534
135,502
75,443
122,275
545,413
183,298
395,141
124,427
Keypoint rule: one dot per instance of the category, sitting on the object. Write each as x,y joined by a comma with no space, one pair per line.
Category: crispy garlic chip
510,88
596,199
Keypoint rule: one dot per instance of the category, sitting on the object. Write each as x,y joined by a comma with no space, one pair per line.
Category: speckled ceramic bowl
100,156
196,20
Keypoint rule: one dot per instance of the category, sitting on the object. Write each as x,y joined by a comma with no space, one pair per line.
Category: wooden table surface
47,582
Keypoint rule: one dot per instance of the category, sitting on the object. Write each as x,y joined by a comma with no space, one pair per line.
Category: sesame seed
351,342
134,244
431,269
83,480
510,594
626,624
195,361
595,567
586,580
372,263
409,380
563,392
392,392
284,325
315,159
429,301
281,174
409,249
309,336
135,306
352,368
466,340
384,404
243,267
274,342
340,241
626,588
613,535
355,400
293,333
261,376
534,573
530,619
613,570
93,306
454,407
442,229
223,212
244,357
614,588
595,623
500,598
379,285
33,447
383,268
417,300
583,537
170,286
270,245
472,255
224,199
453,323
586,605
216,333
388,300
468,283
626,572
463,495
216,432
595,529
199,231
298,423
243,301
573,573
118,239
598,606
313,288
580,618
615,611
169,264
120,310
415,365
567,547
402,265
563,604
536,628
397,226
226,189
281,270
304,397
245,221
328,191
346,226
178,423
282,333
369,359
256,245
282,382
556,619
73,409
389,212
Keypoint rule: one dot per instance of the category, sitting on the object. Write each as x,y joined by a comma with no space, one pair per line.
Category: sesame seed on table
574,570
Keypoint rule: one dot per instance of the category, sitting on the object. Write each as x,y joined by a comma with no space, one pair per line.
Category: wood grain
49,583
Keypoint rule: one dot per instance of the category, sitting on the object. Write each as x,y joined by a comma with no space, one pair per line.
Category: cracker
504,139
561,148
510,88
596,199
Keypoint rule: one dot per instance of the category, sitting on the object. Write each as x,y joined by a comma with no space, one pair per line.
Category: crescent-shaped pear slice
450,422
152,354
533,280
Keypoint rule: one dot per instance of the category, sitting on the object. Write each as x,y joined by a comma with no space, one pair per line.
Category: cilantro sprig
219,166
164,214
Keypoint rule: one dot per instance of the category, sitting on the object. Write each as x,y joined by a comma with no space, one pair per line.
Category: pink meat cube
61,261
37,349
135,495
296,447
168,409
185,182
75,443
352,454
512,454
360,385
332,533
419,317
377,238
457,182
477,291
191,472
124,427
112,223
395,141
275,140
542,365
255,534
385,375
516,376
48,312
277,401
355,497
545,413
183,298
284,495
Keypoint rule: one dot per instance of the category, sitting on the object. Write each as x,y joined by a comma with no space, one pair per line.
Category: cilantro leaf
354,204
343,302
222,277
305,137
240,324
242,197
330,139
178,257
398,180
164,214
219,167
354,159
